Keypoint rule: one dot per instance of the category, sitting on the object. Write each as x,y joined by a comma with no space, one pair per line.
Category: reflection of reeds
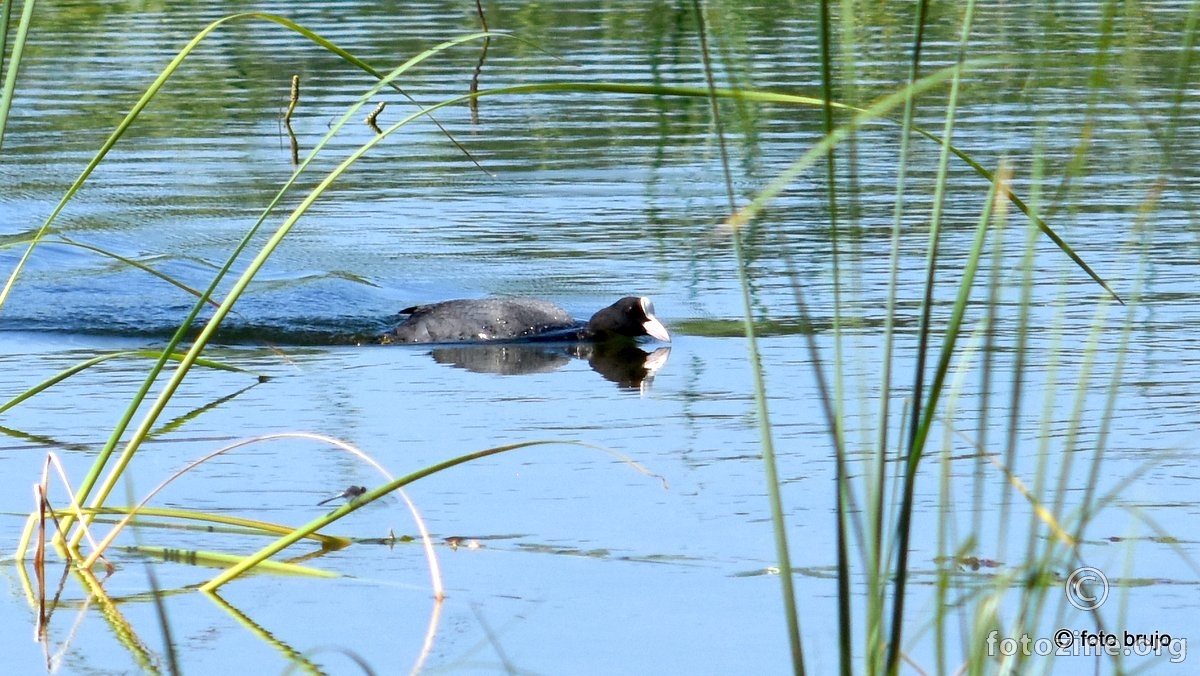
473,102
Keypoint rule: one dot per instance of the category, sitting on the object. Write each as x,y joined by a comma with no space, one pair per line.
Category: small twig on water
292,100
374,114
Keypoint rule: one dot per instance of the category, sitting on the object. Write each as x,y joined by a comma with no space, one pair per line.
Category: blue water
576,560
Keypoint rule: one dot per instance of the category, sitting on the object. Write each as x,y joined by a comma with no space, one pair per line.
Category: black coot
524,319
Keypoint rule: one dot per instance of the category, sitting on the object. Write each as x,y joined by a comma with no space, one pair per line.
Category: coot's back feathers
481,320
516,319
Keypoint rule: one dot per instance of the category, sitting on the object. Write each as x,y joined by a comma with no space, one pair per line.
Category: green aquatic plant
947,349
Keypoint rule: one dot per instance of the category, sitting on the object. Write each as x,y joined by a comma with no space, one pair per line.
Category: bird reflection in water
624,363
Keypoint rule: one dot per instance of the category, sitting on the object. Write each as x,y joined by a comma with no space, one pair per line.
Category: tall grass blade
208,521
921,414
880,110
367,498
842,495
5,19
87,364
195,557
880,572
1183,74
137,265
13,62
770,467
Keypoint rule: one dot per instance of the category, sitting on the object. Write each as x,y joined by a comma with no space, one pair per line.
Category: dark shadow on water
625,364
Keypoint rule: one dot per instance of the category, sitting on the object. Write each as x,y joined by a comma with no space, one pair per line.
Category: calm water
586,565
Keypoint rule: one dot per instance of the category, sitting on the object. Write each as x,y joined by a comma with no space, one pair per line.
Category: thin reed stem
760,389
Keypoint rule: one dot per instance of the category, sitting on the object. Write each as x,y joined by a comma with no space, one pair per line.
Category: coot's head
631,317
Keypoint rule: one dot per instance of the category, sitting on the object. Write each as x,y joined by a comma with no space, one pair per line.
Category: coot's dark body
524,319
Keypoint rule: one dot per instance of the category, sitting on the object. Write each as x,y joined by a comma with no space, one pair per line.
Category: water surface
585,564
